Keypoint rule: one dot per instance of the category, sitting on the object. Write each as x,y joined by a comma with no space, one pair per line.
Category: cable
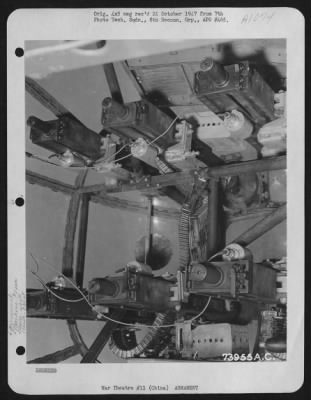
99,313
113,155
132,325
123,158
165,132
46,160
36,262
109,158
153,141
53,293
204,309
219,253
64,276
114,320
35,273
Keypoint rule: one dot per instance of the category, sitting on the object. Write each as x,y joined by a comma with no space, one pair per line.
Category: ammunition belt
153,342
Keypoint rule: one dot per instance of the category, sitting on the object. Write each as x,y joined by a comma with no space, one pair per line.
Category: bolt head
206,64
107,102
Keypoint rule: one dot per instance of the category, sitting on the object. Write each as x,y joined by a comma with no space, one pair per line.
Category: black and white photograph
155,200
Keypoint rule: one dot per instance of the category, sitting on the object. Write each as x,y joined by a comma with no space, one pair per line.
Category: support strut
102,338
70,230
82,237
263,226
214,240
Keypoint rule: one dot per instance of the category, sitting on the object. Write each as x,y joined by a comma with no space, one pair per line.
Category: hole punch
19,52
19,201
20,350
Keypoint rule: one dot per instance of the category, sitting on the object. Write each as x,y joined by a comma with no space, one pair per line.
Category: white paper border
59,24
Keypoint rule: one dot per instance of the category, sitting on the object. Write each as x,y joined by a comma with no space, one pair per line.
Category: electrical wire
219,253
202,312
50,291
165,132
123,158
35,273
53,293
113,155
103,315
46,160
114,320
43,159
35,261
153,141
64,276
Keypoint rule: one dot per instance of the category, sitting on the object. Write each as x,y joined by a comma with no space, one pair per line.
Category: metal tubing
113,82
57,186
212,217
84,215
266,164
76,337
262,227
71,223
175,178
102,338
45,98
57,356
107,200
